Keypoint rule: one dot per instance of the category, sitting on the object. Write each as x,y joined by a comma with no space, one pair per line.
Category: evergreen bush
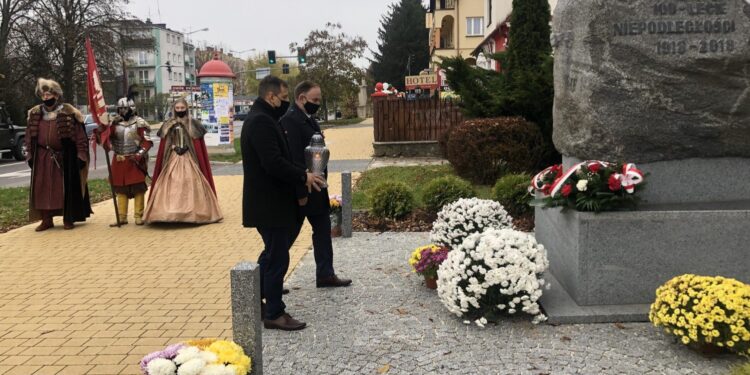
441,191
482,150
391,200
512,191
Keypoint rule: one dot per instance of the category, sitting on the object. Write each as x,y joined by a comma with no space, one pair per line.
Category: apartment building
157,58
456,28
496,31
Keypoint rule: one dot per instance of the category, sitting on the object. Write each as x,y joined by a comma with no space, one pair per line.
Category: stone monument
666,85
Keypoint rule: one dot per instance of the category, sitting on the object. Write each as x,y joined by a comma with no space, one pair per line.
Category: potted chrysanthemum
335,215
426,260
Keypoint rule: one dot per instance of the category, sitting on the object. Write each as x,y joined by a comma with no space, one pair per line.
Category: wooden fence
399,120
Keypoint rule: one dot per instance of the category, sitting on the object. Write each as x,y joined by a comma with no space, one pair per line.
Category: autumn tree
331,57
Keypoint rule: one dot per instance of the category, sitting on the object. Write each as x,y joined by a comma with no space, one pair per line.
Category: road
14,173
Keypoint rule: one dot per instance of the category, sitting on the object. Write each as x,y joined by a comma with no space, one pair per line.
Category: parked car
241,116
11,136
90,125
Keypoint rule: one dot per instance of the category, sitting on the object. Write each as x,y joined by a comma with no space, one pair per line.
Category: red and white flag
97,106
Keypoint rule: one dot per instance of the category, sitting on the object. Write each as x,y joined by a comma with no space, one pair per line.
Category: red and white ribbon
630,177
537,183
561,181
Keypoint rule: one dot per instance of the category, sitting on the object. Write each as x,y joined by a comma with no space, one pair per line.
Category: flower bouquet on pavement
198,357
336,204
426,260
588,186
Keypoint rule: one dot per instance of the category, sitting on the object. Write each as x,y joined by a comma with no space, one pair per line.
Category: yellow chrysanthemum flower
704,309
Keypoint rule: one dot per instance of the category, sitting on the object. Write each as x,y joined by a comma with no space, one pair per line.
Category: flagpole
91,85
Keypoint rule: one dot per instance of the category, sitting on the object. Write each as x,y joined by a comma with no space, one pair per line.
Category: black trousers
274,263
322,245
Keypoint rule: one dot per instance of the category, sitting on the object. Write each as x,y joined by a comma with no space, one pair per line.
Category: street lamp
192,32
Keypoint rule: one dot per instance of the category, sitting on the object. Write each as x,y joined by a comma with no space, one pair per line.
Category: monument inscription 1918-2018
652,80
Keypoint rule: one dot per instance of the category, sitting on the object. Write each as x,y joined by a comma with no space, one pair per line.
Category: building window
474,26
169,56
148,94
142,58
179,58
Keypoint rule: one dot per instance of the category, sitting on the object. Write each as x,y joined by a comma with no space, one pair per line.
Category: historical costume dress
182,189
130,139
58,156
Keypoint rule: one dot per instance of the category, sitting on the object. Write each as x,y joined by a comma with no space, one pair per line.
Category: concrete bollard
246,319
346,206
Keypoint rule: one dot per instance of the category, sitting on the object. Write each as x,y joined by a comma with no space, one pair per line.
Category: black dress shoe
332,282
284,323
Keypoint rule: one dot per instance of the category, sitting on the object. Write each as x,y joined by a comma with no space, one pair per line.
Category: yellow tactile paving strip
94,300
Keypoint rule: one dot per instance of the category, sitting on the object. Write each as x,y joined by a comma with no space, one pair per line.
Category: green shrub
391,200
512,192
482,150
444,190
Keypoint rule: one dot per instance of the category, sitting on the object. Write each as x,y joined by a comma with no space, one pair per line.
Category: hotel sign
424,81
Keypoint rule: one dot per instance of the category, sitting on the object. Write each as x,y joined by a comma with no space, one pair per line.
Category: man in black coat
300,128
269,201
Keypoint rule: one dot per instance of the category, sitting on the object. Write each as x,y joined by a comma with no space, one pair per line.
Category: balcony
138,43
145,83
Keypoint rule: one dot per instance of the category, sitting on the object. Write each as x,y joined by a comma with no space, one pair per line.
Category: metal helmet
126,103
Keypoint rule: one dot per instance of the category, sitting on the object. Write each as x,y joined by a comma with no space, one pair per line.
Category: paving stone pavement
95,299
388,318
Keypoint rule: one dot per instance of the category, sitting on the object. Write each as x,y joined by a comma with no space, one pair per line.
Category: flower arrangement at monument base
494,274
335,202
703,311
588,186
198,357
466,216
425,261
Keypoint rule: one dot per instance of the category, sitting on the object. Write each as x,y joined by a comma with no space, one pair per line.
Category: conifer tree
402,45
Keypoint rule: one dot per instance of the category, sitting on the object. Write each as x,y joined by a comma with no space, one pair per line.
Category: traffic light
285,69
272,57
301,55
169,67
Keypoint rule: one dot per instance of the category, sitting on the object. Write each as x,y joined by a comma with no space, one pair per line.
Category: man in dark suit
300,128
269,201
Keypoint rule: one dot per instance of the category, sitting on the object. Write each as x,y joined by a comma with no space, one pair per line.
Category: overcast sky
265,25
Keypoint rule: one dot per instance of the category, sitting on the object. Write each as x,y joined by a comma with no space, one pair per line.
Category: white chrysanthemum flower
161,366
512,264
209,357
192,367
457,220
187,353
582,185
217,370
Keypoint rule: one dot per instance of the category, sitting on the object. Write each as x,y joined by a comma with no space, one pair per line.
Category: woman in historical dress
182,189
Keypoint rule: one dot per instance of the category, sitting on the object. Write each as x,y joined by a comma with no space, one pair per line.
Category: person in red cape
182,188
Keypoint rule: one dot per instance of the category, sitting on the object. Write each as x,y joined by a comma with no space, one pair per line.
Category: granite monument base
607,266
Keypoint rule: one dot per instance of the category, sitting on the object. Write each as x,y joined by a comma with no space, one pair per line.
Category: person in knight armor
130,139
58,157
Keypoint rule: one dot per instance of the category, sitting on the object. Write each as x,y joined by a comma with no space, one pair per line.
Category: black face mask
281,111
311,108
180,113
50,102
128,115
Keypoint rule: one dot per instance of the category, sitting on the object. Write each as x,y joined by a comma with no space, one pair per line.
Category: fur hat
45,85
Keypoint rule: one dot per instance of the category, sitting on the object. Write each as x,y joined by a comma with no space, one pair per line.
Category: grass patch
14,203
414,177
341,122
229,158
